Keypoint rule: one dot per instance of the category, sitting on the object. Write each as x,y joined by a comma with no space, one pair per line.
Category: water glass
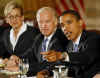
24,65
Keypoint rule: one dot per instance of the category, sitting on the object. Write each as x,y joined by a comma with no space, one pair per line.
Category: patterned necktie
75,47
43,48
44,45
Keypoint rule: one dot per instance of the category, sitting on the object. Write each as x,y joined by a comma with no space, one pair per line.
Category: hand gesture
52,56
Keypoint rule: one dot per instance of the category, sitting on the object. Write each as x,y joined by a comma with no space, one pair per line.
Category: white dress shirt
12,37
77,40
49,38
47,43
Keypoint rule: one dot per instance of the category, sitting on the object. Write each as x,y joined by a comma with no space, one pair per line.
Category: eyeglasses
14,17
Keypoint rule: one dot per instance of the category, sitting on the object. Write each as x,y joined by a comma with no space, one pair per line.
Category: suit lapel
21,38
82,44
51,44
53,40
39,47
69,47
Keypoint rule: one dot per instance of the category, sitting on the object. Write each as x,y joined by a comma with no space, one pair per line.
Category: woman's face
14,18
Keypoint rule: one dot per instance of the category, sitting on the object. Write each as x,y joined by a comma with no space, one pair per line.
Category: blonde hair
12,5
51,10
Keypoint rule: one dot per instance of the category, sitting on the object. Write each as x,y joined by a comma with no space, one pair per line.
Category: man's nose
64,28
44,25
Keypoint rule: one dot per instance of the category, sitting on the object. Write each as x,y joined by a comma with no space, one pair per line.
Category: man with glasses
19,38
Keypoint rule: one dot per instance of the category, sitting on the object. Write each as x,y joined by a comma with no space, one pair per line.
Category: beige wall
30,7
93,14
34,5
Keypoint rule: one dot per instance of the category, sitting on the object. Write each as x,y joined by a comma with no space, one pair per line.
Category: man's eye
69,22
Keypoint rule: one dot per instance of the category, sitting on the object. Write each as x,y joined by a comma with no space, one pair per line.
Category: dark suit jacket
57,43
24,43
86,61
2,29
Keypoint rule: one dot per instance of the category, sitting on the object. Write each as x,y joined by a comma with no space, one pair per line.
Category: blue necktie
43,48
75,47
44,45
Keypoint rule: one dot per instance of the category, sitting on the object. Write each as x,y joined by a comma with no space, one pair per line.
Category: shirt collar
78,39
50,36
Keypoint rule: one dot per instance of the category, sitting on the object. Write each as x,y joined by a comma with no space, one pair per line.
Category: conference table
60,71
9,74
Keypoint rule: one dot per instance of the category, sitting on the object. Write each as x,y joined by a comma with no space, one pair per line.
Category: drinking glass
24,65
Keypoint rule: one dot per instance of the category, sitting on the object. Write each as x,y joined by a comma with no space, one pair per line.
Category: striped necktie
43,48
44,45
75,47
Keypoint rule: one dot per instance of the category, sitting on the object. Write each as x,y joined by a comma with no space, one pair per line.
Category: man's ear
81,22
56,21
23,18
